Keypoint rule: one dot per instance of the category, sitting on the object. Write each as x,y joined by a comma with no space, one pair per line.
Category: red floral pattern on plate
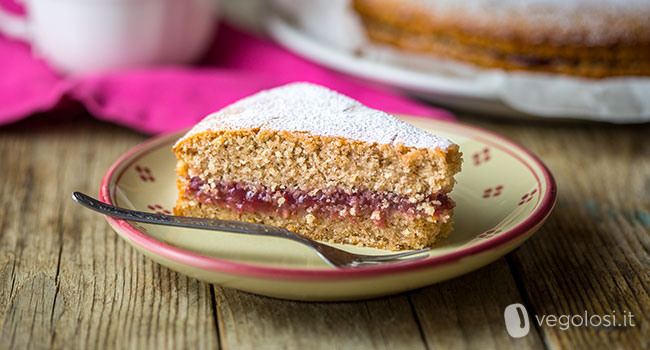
489,233
482,156
158,209
527,197
145,173
493,192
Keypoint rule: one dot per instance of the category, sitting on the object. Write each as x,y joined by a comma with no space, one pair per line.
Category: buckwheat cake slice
314,161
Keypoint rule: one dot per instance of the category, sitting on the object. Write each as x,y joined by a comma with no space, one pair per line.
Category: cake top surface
305,107
592,22
556,3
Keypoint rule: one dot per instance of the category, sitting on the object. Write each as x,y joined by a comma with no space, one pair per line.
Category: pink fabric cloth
160,99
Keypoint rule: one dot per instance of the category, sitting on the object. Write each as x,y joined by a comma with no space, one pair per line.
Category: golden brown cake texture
589,38
314,161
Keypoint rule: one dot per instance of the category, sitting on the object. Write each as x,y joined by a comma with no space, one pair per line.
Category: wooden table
67,280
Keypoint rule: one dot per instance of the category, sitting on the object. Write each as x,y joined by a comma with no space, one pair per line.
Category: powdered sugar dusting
591,22
304,107
581,22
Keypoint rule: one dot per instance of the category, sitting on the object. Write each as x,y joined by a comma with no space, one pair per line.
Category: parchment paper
617,100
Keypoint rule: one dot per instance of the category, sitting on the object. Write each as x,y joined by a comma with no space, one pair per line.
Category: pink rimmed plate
503,196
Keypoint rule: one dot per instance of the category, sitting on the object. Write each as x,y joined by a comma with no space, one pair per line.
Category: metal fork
333,256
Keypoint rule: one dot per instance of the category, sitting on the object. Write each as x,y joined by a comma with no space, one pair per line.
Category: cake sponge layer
400,232
280,159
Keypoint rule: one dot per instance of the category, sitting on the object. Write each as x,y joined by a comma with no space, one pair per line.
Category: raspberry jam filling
337,204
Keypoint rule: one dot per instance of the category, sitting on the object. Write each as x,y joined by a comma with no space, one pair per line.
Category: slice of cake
316,162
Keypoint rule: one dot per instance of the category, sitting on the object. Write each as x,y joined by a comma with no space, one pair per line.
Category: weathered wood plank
467,312
68,281
248,321
593,253
28,243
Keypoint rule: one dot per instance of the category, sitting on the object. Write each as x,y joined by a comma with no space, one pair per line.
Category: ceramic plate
462,90
445,90
503,195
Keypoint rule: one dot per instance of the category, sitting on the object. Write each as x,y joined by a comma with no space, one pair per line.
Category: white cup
81,36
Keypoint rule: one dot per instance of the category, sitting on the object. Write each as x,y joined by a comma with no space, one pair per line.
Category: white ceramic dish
87,36
503,195
466,88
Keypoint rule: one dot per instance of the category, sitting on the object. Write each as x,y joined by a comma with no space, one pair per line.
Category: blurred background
160,65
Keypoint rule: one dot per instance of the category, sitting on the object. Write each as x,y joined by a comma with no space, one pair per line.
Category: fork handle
184,221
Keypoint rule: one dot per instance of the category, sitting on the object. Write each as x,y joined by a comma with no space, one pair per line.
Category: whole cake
590,38
306,158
